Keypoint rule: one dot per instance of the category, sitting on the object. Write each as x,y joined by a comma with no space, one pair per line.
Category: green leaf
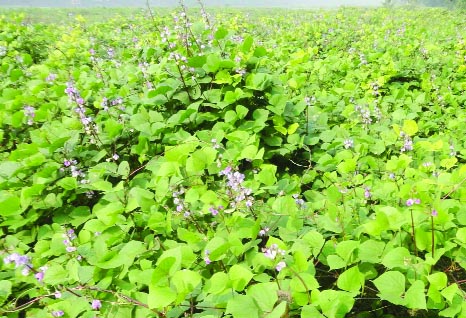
450,292
410,127
335,303
335,262
397,257
370,251
292,128
108,213
242,306
10,204
123,169
221,33
438,280
160,297
55,275
217,283
345,249
267,174
279,311
185,281
5,290
416,296
240,276
304,283
351,280
265,295
68,183
391,286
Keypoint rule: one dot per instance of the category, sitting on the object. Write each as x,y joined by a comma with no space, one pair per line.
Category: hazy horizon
172,3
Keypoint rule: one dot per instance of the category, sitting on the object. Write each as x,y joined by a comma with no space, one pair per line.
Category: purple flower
411,202
58,313
57,294
213,211
39,276
96,304
30,113
206,257
348,143
273,251
264,231
434,213
19,260
70,249
281,265
51,77
367,192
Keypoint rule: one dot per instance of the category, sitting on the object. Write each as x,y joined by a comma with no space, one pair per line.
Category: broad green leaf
410,127
5,290
185,281
160,297
217,283
239,276
397,257
416,296
351,280
265,295
391,286
335,304
242,306
68,183
292,128
304,283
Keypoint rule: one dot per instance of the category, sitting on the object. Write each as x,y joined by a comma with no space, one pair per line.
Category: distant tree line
461,4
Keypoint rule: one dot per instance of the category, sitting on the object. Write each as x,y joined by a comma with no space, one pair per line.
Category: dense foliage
238,164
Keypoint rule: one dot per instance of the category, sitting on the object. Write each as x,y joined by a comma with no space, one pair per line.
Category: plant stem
413,233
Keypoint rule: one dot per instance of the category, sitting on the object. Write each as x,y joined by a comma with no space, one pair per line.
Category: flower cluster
30,113
273,251
411,201
408,142
96,304
207,260
235,188
362,59
375,88
215,143
51,77
348,143
75,97
69,237
452,150
299,202
309,100
23,262
367,192
215,211
264,231
178,201
364,114
71,165
144,67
